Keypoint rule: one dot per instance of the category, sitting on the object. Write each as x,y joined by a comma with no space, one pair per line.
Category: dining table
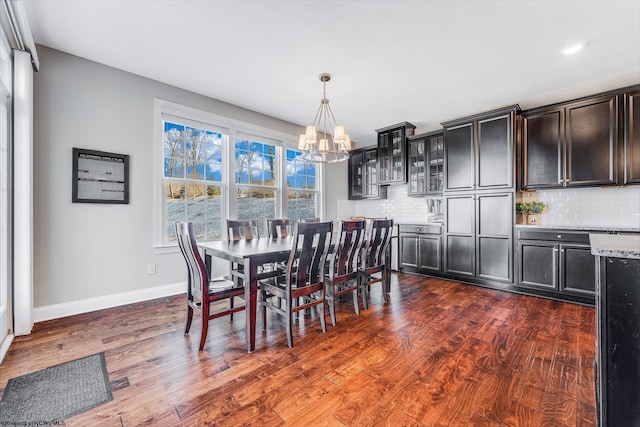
252,254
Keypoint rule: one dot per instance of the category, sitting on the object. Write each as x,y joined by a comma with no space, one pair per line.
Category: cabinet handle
555,249
562,250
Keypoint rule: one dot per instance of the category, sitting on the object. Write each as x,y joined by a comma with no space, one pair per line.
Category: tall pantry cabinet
479,192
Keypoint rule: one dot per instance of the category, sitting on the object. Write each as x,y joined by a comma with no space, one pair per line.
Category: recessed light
572,49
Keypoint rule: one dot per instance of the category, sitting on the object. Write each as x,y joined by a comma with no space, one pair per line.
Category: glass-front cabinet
392,153
425,160
363,175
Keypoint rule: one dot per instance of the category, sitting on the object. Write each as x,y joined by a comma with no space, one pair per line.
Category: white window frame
232,128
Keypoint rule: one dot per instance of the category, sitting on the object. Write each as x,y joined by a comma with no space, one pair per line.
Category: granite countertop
582,228
615,245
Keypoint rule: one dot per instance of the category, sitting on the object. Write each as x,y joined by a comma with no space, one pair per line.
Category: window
302,189
256,180
193,178
209,168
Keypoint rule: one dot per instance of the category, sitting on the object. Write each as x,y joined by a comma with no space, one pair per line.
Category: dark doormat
56,393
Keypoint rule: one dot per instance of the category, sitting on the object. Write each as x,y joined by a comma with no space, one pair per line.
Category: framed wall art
100,177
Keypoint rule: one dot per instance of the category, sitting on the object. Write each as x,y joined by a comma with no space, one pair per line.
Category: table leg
251,300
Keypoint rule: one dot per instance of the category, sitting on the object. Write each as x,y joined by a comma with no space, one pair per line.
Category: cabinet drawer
422,229
554,236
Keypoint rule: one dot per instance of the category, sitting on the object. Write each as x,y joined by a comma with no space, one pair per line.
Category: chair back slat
198,279
345,257
241,229
279,227
309,253
378,238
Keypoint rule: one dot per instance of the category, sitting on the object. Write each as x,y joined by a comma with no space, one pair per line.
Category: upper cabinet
479,151
425,164
572,144
392,155
631,153
363,175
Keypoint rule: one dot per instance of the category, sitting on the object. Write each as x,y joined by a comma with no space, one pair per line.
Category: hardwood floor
440,354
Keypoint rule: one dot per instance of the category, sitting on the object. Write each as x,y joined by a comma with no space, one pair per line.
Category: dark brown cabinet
479,151
392,154
572,144
363,175
420,248
425,164
631,151
479,236
557,261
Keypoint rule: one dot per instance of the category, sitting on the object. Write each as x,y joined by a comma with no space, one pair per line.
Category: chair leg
289,322
323,321
363,291
355,301
332,309
205,329
189,319
231,308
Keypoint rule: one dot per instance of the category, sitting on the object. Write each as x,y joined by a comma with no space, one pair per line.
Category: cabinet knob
559,236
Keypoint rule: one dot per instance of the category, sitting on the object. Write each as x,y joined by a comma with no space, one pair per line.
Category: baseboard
56,311
5,346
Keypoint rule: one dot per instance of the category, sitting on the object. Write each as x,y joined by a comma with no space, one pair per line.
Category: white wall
87,253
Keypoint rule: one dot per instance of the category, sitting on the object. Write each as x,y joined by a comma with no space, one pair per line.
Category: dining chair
238,230
309,220
279,227
201,289
373,260
342,275
302,286
242,229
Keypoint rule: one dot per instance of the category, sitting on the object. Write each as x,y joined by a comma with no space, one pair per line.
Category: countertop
582,228
615,245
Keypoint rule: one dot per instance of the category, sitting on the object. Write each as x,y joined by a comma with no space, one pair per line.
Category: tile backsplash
602,206
397,205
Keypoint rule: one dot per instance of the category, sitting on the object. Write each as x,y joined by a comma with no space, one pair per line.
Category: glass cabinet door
397,155
357,176
436,164
370,173
384,156
417,167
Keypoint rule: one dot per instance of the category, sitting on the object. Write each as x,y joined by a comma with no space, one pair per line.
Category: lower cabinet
558,262
420,248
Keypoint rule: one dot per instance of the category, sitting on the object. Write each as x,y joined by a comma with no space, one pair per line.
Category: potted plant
533,209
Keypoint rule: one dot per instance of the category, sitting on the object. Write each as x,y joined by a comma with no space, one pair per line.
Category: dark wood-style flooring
440,354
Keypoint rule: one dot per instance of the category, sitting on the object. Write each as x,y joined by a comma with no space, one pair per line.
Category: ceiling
391,61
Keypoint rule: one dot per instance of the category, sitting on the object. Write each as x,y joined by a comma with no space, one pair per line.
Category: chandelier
324,141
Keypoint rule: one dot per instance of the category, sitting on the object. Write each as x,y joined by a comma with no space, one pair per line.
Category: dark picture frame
100,177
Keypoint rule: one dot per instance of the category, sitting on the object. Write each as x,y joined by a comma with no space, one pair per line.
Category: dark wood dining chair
201,289
342,275
302,286
280,227
309,220
373,260
241,229
238,230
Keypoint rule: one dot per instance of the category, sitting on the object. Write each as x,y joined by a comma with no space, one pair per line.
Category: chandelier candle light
333,145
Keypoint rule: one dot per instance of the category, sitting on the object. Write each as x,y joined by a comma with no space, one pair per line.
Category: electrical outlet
151,269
